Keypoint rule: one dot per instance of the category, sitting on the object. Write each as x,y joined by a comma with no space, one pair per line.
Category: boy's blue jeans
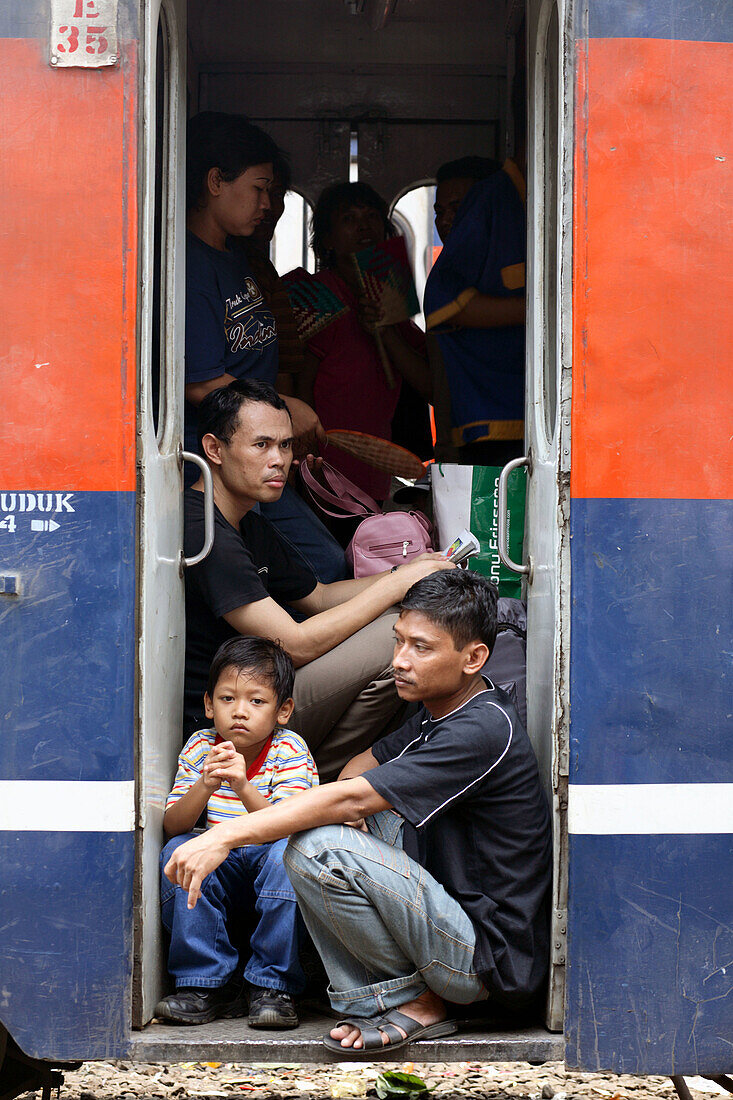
385,928
251,880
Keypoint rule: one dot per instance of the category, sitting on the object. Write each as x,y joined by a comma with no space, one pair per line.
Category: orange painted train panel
653,270
68,272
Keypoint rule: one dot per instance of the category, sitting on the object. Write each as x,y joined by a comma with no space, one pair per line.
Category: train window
413,216
291,241
549,170
353,156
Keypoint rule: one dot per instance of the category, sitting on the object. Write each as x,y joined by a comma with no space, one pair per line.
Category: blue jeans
250,880
307,535
385,929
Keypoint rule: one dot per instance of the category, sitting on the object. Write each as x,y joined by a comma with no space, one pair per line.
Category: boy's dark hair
335,198
467,168
460,602
219,410
256,655
227,142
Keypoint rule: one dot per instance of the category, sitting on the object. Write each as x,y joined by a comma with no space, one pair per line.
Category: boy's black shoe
194,1005
271,1008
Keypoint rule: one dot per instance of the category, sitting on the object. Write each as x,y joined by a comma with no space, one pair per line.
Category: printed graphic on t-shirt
248,323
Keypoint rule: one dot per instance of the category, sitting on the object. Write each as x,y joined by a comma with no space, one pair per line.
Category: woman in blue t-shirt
230,330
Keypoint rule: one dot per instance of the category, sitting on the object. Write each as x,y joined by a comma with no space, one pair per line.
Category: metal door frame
554,457
161,619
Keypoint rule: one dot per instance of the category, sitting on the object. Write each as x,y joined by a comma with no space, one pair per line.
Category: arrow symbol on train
44,525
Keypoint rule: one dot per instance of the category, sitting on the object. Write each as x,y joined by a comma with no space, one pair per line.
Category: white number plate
84,33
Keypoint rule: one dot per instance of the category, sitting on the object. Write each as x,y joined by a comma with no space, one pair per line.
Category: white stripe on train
648,809
593,809
52,806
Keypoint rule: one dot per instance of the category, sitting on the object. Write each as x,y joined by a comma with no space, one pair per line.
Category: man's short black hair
461,602
467,168
259,656
219,410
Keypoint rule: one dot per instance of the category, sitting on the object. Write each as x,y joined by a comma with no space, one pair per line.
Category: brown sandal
374,1028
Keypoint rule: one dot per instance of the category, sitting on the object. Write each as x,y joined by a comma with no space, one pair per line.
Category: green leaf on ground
394,1084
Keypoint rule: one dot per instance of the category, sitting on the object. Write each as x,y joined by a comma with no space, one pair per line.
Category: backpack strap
341,485
351,500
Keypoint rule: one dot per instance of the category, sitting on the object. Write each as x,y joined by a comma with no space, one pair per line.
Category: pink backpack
382,539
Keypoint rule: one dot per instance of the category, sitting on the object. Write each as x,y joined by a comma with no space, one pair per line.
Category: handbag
382,539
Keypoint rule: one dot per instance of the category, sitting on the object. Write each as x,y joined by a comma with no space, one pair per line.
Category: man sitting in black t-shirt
440,890
344,693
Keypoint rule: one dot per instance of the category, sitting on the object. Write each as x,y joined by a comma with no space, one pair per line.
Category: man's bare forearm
331,804
489,311
372,597
364,762
318,635
335,803
197,391
338,592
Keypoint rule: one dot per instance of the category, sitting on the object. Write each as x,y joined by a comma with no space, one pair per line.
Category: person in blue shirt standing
231,332
475,307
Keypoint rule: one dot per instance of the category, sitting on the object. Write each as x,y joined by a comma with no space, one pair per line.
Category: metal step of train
235,1041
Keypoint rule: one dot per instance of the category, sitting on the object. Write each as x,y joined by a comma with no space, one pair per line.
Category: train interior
382,91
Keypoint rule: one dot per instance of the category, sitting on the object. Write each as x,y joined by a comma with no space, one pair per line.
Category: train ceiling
431,73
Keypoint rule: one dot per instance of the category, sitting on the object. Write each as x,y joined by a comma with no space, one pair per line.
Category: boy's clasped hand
225,763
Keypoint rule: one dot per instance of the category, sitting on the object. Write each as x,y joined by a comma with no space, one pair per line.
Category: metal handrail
186,563
502,526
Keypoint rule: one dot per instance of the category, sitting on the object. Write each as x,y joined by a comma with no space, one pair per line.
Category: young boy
246,762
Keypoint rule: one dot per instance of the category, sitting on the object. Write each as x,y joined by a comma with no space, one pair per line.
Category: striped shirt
284,767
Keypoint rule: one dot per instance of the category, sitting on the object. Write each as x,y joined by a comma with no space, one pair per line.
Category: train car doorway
409,86
161,624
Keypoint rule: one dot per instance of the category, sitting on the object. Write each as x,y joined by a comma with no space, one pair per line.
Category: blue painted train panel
650,980
691,20
652,623
66,942
650,954
67,699
67,693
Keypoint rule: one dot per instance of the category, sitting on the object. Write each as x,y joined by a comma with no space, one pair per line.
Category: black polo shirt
477,819
245,565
